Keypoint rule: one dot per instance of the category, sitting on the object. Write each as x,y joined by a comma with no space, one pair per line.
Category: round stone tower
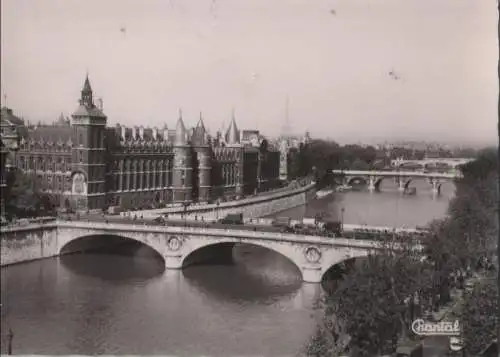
182,170
203,151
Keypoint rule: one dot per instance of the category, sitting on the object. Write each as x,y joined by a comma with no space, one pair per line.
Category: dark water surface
117,304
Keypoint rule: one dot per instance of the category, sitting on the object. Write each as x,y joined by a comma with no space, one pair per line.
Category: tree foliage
465,240
23,196
375,302
326,155
480,316
468,233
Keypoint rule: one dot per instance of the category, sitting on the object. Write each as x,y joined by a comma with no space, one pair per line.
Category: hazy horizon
354,71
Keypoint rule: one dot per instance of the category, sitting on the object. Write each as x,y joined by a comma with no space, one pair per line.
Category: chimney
155,133
134,133
100,104
141,132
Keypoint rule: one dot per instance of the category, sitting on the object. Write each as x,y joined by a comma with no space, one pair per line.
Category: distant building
85,165
289,147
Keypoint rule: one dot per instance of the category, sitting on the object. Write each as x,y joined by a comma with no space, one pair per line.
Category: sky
352,70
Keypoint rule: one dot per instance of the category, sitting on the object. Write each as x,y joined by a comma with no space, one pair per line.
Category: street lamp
342,210
217,210
185,204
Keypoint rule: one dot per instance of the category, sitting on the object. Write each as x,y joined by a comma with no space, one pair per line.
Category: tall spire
286,127
180,131
87,96
200,122
232,134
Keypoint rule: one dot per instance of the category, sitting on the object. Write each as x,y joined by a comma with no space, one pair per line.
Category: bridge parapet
217,232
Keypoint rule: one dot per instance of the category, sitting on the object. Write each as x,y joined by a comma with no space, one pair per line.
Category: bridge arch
71,240
220,251
109,242
357,179
336,257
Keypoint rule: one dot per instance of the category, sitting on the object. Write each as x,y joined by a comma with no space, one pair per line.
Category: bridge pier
173,261
311,274
371,183
436,186
401,184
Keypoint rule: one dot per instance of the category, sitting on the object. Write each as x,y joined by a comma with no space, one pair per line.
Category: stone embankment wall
252,207
22,244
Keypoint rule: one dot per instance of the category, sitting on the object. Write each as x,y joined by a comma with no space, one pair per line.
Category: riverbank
253,207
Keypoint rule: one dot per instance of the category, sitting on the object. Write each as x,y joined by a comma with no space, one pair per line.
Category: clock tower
88,154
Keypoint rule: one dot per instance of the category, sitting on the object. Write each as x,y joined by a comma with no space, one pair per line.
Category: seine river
117,304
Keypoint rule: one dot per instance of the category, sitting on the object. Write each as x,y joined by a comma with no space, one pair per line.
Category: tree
480,316
464,239
23,197
376,302
468,234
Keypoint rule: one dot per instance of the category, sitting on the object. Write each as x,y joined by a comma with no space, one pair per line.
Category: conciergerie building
82,164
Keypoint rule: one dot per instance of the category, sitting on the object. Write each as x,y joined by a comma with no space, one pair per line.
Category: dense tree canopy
326,155
469,232
467,240
480,316
23,197
374,303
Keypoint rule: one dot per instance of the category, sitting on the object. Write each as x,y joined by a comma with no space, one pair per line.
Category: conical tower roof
200,133
180,132
232,134
86,86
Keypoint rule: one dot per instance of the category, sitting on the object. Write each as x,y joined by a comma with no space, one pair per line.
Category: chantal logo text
425,328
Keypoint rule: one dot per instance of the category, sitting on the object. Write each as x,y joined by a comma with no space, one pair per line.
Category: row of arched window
41,146
142,165
230,174
45,163
130,181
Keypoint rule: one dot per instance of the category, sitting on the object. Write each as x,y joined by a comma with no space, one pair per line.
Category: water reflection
114,304
258,275
131,269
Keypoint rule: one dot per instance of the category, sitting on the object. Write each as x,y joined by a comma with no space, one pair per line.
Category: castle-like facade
82,164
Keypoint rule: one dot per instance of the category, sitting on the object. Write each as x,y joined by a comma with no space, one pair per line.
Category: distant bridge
182,246
402,178
452,163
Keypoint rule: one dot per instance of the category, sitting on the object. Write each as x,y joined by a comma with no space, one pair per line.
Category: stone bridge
402,178
452,163
182,246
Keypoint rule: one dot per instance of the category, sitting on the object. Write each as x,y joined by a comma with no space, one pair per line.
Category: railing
29,222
